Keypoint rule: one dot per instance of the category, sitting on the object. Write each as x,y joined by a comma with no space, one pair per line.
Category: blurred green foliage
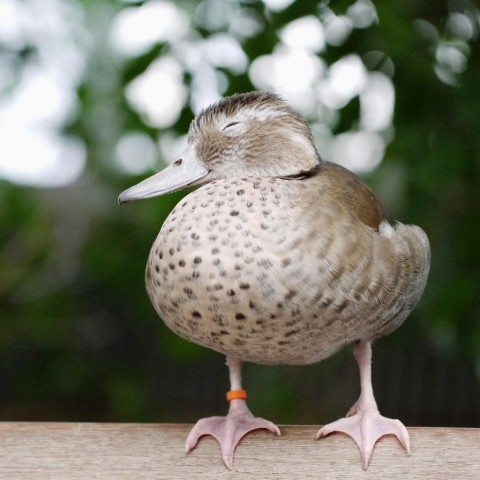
78,337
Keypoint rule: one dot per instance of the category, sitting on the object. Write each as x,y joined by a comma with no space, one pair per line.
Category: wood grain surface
71,451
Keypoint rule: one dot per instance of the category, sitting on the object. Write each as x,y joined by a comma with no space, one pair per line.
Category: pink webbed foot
366,427
228,430
364,422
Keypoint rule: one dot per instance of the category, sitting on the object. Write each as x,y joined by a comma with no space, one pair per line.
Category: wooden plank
71,451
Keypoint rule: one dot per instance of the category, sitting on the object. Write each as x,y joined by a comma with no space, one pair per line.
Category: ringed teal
279,258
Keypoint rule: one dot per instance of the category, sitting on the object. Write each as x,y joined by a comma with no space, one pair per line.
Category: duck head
246,135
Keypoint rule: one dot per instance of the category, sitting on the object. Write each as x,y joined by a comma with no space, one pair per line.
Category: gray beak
182,173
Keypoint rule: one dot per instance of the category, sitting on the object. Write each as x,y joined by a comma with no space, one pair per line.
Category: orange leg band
236,395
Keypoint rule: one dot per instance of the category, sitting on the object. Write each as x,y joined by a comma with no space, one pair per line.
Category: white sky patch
159,93
33,156
358,151
450,61
40,98
202,57
219,50
291,73
222,50
10,23
362,13
337,29
377,102
451,58
136,29
135,153
277,5
346,79
214,15
32,149
328,96
305,33
348,76
461,26
247,23
205,88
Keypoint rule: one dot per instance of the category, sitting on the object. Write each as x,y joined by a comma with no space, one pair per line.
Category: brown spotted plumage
281,258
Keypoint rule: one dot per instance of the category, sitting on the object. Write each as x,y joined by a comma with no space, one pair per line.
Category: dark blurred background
96,95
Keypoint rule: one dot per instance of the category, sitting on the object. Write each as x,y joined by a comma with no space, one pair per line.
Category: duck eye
234,129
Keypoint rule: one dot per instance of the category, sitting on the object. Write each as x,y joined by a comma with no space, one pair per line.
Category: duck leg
363,421
229,430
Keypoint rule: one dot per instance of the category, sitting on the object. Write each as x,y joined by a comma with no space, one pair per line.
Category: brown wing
351,192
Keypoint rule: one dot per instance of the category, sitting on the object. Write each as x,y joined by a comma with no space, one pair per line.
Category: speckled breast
233,269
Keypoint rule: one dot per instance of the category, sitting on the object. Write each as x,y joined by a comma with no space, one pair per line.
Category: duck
279,257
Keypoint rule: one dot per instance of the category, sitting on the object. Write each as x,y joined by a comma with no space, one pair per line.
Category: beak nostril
178,162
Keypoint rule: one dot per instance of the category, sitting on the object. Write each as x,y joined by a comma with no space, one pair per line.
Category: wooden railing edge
71,451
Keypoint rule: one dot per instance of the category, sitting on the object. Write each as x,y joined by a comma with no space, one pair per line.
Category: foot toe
228,431
366,428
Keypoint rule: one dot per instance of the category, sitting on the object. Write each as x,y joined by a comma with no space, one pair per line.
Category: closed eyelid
231,124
